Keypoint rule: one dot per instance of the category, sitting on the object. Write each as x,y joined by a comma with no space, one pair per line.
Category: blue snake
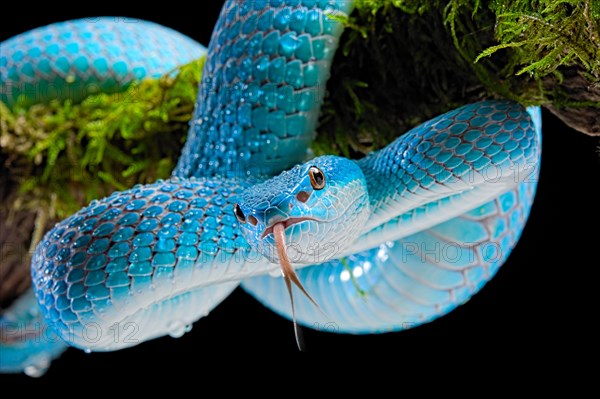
380,244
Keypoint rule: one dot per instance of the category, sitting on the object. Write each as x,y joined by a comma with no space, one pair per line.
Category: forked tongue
289,275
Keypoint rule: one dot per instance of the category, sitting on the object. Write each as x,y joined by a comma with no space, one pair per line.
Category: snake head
321,204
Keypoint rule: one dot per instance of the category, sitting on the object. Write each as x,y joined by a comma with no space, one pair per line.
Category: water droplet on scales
37,368
275,273
177,329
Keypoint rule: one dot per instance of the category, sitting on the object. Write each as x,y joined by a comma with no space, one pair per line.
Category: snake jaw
286,223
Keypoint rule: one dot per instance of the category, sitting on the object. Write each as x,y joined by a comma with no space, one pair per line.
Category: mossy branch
403,61
546,35
109,141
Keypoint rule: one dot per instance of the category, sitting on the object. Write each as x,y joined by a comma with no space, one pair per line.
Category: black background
529,303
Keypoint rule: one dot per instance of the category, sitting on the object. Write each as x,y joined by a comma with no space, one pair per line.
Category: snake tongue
289,275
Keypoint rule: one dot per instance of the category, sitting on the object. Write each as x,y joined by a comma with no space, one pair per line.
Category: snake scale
417,227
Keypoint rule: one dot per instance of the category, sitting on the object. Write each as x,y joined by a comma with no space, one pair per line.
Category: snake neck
448,166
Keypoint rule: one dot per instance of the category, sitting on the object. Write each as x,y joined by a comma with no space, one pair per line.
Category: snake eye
239,214
317,178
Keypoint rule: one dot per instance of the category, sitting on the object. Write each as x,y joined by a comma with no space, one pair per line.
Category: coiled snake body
418,227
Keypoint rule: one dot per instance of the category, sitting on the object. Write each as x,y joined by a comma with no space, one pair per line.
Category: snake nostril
302,196
252,220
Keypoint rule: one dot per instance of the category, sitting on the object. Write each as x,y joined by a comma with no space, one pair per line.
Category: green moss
403,61
63,155
545,35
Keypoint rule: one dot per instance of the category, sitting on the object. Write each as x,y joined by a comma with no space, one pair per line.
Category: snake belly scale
163,255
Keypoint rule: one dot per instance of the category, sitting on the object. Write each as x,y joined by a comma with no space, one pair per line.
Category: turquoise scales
410,281
262,87
75,58
70,60
419,188
147,256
